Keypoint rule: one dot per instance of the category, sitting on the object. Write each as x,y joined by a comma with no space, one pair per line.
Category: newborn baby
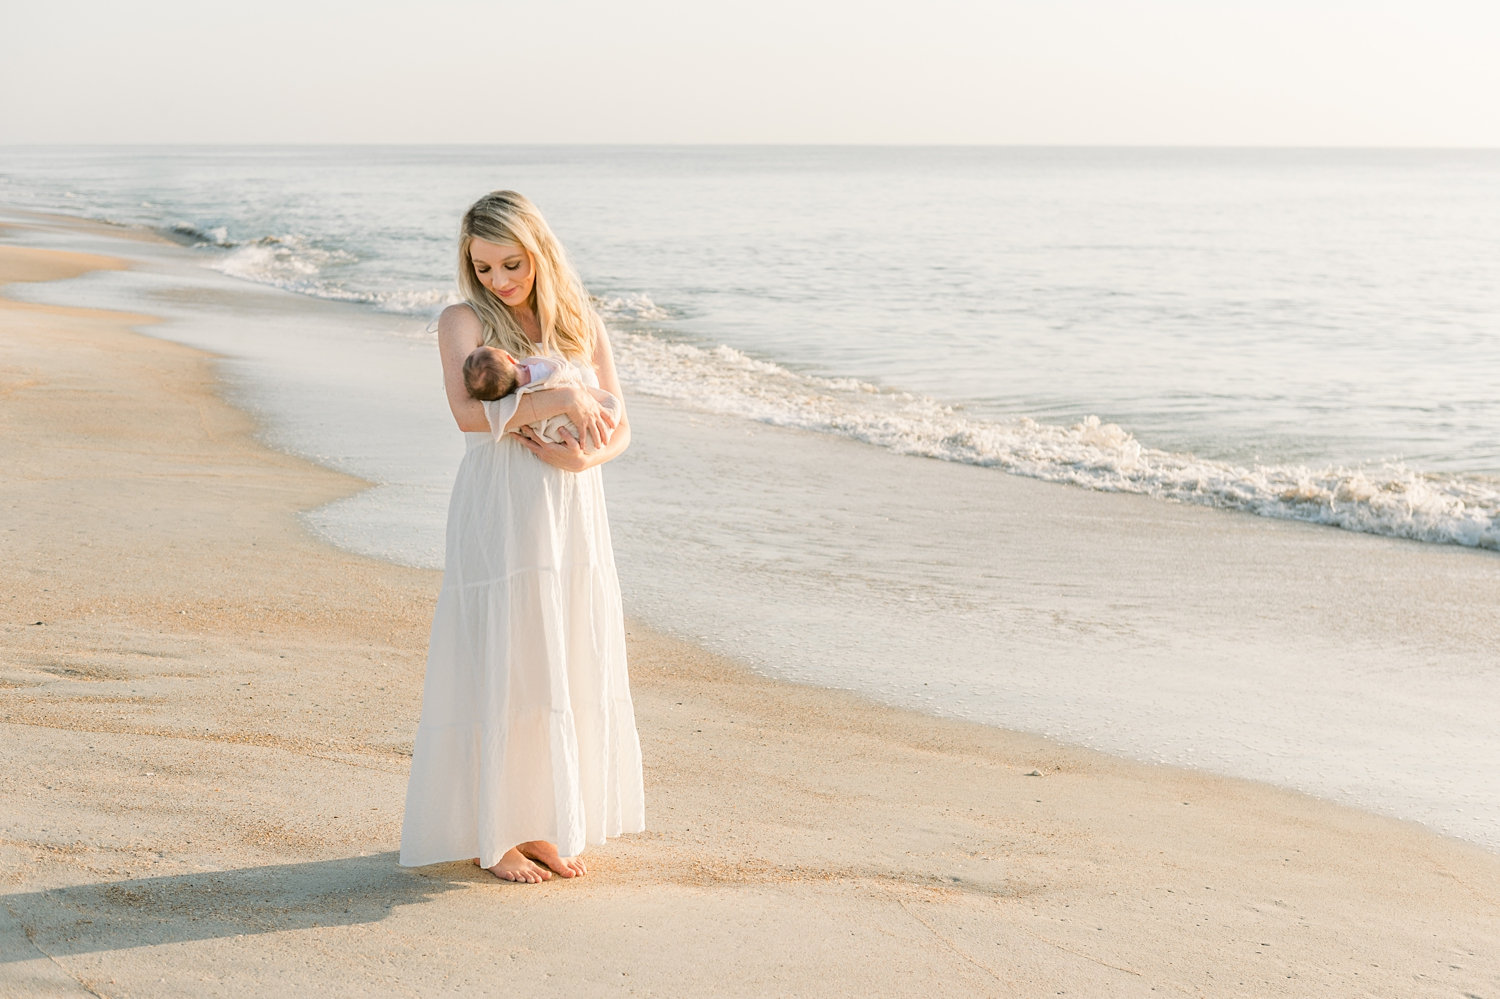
492,375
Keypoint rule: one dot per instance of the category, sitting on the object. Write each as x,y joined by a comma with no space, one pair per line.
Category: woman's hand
568,456
593,421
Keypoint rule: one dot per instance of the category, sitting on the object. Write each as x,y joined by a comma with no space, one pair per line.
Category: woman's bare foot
545,853
514,867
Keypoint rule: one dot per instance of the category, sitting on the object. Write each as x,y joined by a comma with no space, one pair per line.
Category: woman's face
505,269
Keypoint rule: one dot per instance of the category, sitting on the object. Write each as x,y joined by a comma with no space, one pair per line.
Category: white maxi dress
527,729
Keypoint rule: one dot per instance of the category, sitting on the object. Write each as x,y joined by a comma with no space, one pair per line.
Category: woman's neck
525,317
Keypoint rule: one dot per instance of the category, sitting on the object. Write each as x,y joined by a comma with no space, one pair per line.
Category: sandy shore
207,720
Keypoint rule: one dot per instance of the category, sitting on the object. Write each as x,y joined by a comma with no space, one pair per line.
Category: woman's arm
459,332
570,455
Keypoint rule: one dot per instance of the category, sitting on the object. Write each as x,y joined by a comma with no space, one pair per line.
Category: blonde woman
527,749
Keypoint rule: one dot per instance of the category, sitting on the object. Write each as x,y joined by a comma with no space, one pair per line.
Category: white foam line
1390,499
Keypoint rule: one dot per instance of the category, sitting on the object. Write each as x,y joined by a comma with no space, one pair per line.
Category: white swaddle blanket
546,373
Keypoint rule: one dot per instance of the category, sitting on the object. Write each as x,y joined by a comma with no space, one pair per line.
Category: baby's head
489,373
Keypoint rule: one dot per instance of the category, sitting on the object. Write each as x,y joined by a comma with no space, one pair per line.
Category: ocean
841,361
1297,333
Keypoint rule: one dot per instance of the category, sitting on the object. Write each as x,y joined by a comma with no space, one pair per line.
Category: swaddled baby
491,374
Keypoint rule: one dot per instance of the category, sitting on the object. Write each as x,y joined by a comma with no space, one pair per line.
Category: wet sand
207,718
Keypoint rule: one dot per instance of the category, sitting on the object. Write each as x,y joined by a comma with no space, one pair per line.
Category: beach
996,492
208,715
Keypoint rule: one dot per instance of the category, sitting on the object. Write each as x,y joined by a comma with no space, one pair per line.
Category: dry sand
207,719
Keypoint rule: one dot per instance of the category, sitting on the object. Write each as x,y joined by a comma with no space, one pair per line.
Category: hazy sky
1268,72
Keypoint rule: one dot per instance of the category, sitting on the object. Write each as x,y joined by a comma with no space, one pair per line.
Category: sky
1027,72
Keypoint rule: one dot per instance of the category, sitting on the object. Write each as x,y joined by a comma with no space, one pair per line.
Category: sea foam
295,262
1388,499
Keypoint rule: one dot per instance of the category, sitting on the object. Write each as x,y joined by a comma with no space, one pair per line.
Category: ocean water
832,359
1301,334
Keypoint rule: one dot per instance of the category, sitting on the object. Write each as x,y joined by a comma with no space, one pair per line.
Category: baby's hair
488,374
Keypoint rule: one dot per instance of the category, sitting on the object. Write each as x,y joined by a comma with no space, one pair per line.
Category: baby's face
505,361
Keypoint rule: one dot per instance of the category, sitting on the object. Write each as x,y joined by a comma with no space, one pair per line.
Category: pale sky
1035,72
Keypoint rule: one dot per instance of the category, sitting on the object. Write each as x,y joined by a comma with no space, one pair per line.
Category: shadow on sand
115,915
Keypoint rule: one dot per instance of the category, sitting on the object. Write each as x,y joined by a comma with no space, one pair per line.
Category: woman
527,747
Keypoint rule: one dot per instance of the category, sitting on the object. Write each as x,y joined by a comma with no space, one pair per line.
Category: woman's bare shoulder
459,316
460,324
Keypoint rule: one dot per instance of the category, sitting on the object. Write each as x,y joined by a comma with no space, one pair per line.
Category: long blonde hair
562,306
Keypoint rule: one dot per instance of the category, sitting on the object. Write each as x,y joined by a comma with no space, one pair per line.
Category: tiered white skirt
527,729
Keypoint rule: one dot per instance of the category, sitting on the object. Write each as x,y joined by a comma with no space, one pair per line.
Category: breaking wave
1389,499
294,262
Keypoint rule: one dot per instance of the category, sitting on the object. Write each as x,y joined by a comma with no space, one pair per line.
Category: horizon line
751,145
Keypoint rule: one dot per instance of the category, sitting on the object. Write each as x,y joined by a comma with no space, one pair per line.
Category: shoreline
1374,494
180,786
